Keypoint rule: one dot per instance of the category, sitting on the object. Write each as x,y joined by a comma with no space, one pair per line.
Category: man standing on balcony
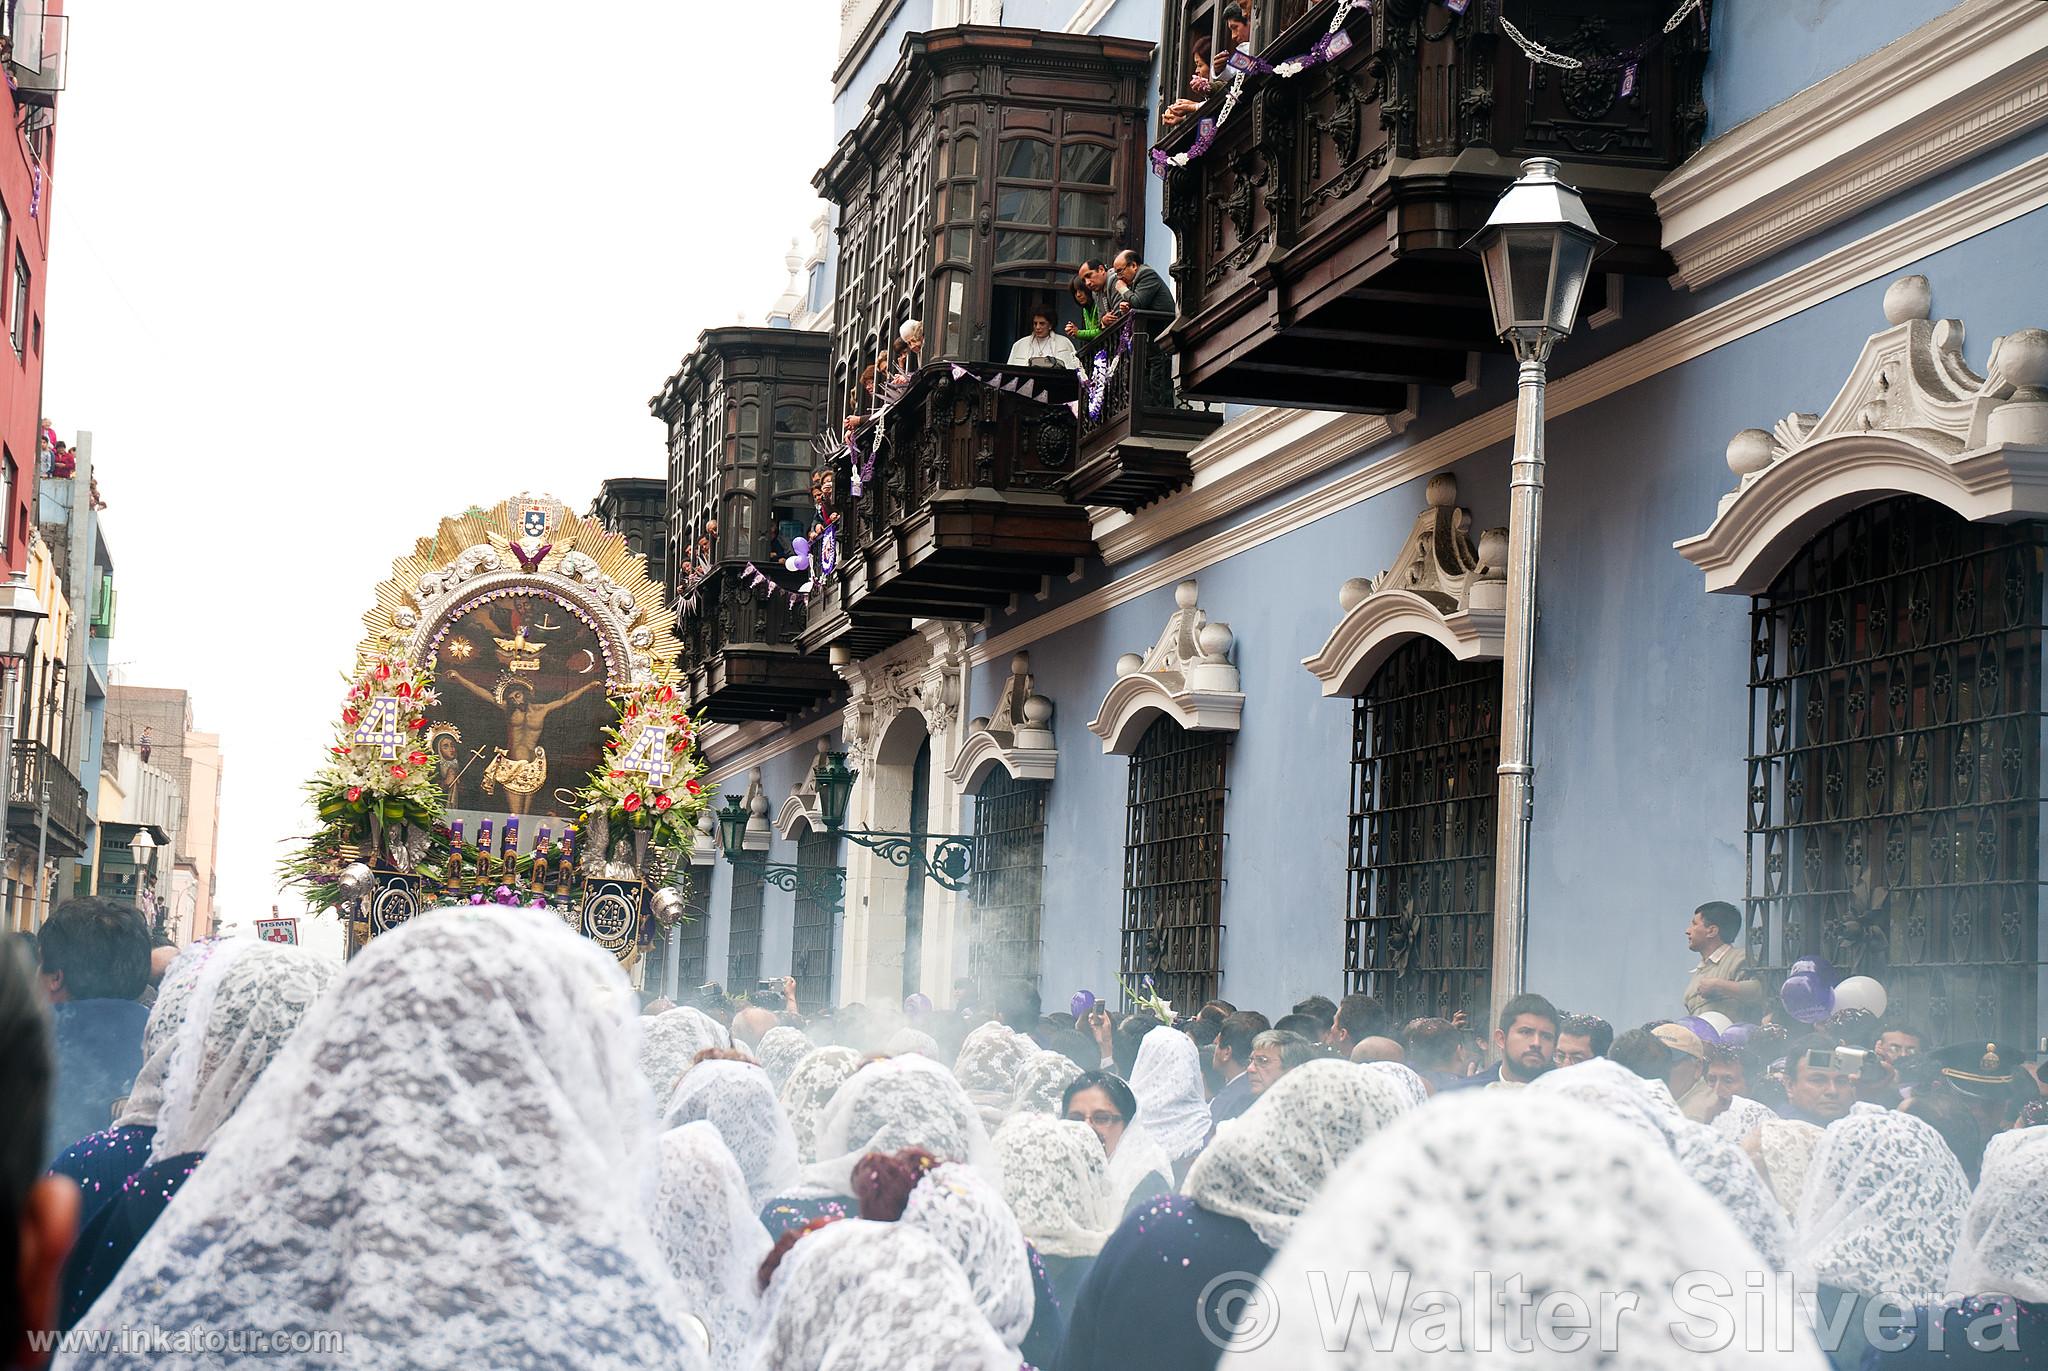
1139,287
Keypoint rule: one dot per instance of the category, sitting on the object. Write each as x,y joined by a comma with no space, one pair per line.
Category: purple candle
483,837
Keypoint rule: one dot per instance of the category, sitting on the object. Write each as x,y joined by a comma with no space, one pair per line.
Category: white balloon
1720,1021
1860,992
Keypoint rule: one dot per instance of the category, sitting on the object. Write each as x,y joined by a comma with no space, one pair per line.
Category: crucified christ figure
522,765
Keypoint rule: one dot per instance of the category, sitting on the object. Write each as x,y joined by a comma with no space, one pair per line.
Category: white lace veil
863,1296
707,1229
160,1034
1882,1210
1138,1155
809,1089
735,1098
1742,1117
671,1040
450,1163
888,1105
968,1218
1269,1163
2004,1247
1403,1079
1056,1181
1167,1079
1785,1148
906,1041
1040,1083
1617,1091
1530,1191
987,1067
1726,1173
245,1006
779,1050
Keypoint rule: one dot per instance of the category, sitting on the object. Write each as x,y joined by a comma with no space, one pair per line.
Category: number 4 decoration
379,727
648,754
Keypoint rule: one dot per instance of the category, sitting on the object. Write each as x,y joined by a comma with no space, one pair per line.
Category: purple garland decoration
1095,382
1329,46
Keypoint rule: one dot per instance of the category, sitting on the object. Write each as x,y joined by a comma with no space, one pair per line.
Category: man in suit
1526,1039
1140,287
1232,1055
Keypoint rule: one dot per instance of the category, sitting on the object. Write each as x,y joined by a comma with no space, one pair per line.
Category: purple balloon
1737,1034
1702,1030
1816,967
917,1004
1807,998
1083,1001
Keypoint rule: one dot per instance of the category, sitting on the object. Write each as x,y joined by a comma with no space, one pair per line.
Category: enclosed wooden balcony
1137,436
960,508
744,414
1319,237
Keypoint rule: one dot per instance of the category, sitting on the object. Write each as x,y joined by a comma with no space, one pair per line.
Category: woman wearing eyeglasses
1139,1169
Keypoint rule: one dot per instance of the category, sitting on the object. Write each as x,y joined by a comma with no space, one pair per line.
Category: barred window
816,853
693,935
743,935
1425,754
1009,878
1173,862
1894,770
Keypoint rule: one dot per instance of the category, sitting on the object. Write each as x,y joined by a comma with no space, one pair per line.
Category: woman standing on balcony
1090,327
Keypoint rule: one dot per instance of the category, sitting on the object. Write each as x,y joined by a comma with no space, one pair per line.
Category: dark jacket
1232,1100
1149,292
99,1050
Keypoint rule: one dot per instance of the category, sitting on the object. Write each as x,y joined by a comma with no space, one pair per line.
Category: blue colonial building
1203,654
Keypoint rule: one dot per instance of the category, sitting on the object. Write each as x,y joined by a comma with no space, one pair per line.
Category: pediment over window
1440,587
1016,737
1913,419
1187,676
801,811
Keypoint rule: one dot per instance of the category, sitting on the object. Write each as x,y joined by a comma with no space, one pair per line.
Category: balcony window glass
1026,159
966,155
1086,164
1076,250
960,200
1013,245
1084,211
1024,205
17,327
960,244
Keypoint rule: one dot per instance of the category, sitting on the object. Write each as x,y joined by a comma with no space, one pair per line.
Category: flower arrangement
649,780
1147,1000
376,789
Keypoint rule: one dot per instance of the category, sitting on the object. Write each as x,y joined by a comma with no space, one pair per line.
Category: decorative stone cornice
1440,587
1913,419
1017,736
802,809
1187,676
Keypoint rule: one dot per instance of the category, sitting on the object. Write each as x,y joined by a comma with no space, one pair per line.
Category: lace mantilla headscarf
987,1068
1056,1181
857,1295
1882,1210
890,1105
1532,1192
735,1098
1267,1165
779,1050
809,1089
708,1232
1041,1082
906,1041
1726,1173
2004,1247
1742,1117
1785,1151
671,1040
1167,1079
968,1218
160,1034
249,999
451,1164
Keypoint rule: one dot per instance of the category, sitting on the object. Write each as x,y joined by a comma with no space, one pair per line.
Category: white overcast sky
321,274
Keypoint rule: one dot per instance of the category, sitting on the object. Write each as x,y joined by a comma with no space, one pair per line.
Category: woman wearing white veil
810,1087
704,1223
449,1165
779,1051
671,1040
862,1296
1152,1299
1056,1181
246,1002
736,1098
987,1067
1167,1081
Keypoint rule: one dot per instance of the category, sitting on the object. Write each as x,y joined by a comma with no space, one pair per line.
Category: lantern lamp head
835,788
1537,250
732,826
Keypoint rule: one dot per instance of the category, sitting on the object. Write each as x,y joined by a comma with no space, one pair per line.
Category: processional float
511,734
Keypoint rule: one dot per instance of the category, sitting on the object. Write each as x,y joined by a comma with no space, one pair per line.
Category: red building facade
33,41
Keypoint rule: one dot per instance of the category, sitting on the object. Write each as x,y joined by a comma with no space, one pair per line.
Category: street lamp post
1537,250
142,850
951,863
20,615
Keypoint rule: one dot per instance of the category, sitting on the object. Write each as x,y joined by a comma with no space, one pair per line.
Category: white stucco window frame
1187,677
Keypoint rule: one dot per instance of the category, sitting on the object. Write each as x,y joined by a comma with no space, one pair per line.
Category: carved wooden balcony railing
962,509
1320,258
1135,447
740,648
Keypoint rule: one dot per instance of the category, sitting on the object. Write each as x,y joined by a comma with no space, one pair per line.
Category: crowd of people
474,1145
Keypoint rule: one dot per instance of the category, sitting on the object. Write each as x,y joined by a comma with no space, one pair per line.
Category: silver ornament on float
356,880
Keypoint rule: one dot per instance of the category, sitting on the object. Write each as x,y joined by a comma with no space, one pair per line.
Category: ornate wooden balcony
740,648
961,508
1135,446
1320,258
